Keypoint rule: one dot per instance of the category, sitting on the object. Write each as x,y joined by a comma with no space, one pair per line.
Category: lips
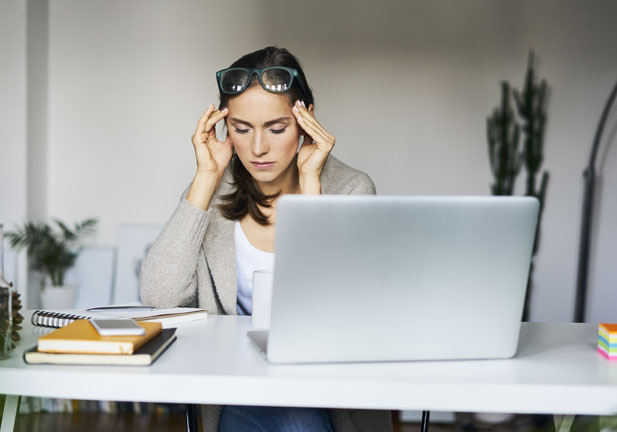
262,165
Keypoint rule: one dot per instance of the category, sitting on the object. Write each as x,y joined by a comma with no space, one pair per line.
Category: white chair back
93,276
133,243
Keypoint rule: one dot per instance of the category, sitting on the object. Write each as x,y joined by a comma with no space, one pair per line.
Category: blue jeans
274,419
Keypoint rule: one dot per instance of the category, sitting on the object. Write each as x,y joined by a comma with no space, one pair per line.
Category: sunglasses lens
276,80
234,81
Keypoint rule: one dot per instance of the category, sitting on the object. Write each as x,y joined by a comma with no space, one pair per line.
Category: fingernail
299,102
303,104
225,109
296,109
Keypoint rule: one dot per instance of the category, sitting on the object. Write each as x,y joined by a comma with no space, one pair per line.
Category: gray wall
405,86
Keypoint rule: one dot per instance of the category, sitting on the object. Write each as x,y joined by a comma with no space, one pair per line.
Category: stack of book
607,341
79,343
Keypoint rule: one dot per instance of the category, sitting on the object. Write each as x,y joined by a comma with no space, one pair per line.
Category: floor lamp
588,195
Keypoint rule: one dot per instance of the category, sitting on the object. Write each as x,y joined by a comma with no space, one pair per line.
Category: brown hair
247,197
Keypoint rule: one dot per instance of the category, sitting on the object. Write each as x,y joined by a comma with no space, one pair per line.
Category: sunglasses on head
275,79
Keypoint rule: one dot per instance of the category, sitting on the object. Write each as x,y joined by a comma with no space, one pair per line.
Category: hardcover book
143,356
81,337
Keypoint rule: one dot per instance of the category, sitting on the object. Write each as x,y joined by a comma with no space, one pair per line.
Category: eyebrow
266,124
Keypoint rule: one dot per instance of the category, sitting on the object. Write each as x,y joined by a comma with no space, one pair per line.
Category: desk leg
11,403
426,416
191,418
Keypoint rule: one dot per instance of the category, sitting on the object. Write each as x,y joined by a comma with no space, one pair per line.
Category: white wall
12,111
405,86
128,81
13,114
38,85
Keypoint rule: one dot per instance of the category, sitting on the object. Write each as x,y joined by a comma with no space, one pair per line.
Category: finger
307,117
198,139
217,148
307,141
203,150
201,124
215,118
319,140
315,133
312,132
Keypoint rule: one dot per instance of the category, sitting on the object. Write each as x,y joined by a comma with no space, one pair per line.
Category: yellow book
81,337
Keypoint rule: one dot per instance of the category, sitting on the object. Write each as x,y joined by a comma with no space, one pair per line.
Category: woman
223,227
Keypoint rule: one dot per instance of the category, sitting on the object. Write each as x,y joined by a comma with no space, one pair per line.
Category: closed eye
241,131
278,131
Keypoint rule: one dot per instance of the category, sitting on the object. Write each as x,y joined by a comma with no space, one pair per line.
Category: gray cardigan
193,262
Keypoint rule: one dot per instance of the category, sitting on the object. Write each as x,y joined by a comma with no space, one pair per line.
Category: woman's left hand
317,145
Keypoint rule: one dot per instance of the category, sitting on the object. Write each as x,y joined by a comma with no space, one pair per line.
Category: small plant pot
58,297
10,321
493,418
5,344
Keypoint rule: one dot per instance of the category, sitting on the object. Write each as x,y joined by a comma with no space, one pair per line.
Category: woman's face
264,133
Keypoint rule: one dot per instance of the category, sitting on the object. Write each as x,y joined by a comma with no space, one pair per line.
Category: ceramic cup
262,298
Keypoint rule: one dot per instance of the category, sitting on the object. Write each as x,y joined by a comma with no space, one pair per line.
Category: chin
265,177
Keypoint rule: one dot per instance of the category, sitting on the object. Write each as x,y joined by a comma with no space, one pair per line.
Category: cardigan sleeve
168,272
341,179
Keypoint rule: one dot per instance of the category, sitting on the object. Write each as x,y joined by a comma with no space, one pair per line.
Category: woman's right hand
212,156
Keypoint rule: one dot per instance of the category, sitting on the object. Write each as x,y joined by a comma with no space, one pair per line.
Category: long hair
246,197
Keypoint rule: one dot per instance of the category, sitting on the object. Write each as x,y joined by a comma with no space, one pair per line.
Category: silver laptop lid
386,278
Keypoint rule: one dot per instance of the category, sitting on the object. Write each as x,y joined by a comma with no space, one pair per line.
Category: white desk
556,370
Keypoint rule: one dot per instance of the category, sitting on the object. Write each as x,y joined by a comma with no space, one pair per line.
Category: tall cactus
503,132
531,107
503,145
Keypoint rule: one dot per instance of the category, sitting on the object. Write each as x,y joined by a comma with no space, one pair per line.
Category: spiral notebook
168,317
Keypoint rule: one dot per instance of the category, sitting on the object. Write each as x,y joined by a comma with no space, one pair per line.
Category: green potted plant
52,250
504,130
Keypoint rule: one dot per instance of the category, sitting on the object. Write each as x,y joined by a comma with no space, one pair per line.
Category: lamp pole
588,196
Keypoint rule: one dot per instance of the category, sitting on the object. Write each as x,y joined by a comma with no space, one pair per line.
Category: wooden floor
98,422
101,422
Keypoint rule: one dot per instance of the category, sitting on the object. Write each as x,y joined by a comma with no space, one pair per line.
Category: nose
260,146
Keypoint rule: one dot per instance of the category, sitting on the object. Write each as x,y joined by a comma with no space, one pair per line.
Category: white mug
262,298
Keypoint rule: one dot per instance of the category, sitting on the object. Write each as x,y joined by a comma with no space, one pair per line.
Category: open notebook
168,317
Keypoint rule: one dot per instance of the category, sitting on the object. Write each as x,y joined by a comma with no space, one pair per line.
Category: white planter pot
58,297
493,418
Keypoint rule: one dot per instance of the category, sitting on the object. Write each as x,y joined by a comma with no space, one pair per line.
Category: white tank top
248,259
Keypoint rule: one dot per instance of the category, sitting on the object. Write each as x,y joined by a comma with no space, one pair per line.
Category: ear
311,109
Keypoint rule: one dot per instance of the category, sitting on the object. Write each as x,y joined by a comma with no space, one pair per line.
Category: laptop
396,278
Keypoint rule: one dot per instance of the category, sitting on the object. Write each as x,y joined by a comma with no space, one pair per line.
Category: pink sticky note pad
606,355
